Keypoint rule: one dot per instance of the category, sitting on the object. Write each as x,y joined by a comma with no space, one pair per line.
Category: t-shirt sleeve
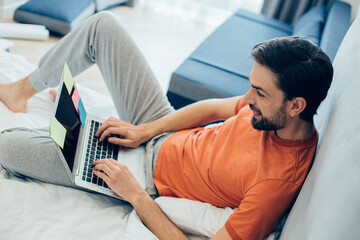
261,209
239,105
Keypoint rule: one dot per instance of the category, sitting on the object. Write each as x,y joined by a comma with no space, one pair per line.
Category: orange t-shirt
234,165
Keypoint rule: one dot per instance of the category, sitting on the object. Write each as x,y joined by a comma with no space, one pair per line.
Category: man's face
266,100
275,122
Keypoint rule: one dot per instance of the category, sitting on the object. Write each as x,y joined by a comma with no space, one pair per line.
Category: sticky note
57,132
82,113
67,78
75,98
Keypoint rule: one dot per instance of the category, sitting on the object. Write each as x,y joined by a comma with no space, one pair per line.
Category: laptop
73,132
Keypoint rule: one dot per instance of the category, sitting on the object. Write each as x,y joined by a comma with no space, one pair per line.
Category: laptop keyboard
97,150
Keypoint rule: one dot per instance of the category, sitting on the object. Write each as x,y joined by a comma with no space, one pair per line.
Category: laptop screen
68,117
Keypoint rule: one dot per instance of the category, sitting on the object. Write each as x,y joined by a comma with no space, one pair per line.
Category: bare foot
16,95
53,94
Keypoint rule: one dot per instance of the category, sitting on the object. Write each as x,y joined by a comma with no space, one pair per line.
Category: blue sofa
220,66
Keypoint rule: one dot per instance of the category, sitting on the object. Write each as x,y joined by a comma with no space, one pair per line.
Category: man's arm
194,115
122,182
222,234
154,218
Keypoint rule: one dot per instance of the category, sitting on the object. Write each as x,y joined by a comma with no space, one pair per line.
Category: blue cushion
310,24
105,4
228,48
337,23
58,16
260,18
194,81
213,81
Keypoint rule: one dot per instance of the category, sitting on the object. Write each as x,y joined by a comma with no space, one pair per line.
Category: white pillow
194,217
199,218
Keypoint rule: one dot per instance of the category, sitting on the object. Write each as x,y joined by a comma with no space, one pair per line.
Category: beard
275,122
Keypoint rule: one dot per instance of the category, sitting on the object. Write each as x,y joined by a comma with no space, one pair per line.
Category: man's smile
256,112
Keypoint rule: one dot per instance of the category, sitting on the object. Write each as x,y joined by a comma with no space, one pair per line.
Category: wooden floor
165,31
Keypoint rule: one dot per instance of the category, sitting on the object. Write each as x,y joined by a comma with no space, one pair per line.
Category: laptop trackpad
134,159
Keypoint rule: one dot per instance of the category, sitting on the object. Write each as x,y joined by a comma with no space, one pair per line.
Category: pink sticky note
75,98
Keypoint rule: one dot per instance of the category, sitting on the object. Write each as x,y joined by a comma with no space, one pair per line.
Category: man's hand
123,183
194,115
132,135
119,178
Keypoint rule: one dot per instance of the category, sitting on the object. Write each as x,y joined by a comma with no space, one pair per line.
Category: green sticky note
68,79
57,132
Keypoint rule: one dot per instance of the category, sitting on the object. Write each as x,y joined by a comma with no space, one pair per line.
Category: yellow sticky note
67,78
57,132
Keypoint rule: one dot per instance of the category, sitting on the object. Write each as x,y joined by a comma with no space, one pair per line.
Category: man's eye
259,93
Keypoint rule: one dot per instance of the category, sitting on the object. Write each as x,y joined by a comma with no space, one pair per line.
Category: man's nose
247,98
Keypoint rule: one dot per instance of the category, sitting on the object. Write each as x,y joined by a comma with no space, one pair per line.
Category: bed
31,209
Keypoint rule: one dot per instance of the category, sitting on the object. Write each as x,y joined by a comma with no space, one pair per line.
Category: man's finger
103,168
122,142
115,163
109,122
103,176
107,132
106,162
102,127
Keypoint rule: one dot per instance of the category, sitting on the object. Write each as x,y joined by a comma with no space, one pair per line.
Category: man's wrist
150,130
138,198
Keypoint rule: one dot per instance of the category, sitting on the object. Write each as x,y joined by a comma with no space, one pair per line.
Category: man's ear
298,105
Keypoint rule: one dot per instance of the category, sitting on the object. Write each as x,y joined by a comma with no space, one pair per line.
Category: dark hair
301,67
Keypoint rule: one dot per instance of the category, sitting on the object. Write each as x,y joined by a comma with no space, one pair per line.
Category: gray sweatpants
134,89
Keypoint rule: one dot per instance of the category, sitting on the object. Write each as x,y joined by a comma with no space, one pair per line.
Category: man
255,161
